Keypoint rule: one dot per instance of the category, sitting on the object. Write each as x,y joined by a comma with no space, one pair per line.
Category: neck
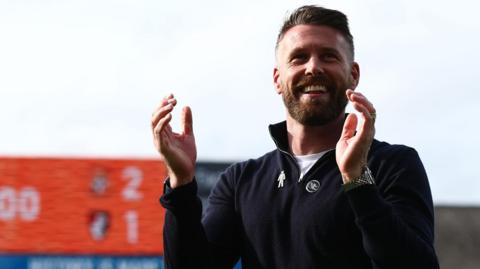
305,140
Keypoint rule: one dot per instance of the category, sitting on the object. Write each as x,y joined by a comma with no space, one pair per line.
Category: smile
315,89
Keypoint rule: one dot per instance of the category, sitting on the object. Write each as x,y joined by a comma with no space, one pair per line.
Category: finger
172,101
366,127
367,116
360,98
160,113
167,103
168,96
168,99
350,126
162,124
186,121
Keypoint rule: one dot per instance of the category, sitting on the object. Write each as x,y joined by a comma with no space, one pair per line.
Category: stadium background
85,213
61,213
81,78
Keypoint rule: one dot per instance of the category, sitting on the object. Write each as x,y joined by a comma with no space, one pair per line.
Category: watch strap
365,178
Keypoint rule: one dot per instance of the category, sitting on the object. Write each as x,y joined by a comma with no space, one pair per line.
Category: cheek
340,76
293,77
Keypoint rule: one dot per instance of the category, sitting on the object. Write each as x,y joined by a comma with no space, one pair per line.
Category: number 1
131,218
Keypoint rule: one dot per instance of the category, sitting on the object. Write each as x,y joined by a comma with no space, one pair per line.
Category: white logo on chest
281,179
312,186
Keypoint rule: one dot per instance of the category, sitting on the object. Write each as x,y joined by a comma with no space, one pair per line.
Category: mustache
312,80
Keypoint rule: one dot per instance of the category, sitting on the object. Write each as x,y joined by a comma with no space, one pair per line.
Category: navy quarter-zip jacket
384,226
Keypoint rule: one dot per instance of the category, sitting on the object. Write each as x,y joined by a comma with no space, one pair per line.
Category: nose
313,66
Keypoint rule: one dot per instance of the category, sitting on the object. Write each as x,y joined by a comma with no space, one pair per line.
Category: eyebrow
329,49
323,49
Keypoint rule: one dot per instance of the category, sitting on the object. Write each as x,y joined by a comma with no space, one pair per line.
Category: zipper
286,153
292,158
316,166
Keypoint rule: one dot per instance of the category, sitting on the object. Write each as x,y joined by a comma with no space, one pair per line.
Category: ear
355,75
276,80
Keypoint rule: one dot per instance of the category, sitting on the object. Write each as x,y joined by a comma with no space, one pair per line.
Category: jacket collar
279,134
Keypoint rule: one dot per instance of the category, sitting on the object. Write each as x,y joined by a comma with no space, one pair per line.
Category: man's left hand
353,145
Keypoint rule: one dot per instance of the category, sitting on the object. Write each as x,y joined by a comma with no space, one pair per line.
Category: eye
299,58
329,57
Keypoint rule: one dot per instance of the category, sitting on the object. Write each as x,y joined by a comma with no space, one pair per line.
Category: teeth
315,88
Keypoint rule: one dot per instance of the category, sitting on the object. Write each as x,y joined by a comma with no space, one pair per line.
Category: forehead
316,36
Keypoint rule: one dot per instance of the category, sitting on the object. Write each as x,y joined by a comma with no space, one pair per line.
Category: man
329,196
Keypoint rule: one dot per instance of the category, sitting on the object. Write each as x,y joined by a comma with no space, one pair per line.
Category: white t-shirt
305,162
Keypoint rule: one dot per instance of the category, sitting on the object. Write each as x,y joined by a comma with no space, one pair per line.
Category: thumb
349,127
186,121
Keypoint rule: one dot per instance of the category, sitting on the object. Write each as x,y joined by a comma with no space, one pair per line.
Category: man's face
314,69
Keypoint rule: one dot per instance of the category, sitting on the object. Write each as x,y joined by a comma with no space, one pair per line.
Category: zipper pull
281,179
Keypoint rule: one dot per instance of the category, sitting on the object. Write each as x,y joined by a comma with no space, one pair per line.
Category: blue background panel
82,262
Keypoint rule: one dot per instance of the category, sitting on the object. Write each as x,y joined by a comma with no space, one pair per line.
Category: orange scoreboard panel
81,206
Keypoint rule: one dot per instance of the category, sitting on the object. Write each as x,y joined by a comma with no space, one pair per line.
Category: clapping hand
177,150
353,145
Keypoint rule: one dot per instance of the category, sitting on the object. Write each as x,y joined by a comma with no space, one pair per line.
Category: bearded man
329,195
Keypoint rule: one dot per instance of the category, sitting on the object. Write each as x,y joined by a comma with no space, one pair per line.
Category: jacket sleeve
395,217
189,241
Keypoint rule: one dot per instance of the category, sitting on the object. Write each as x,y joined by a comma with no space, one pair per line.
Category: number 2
134,177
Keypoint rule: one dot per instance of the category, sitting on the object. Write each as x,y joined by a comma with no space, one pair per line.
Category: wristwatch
365,178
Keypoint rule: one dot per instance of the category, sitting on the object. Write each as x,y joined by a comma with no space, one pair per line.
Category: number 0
7,203
25,203
28,203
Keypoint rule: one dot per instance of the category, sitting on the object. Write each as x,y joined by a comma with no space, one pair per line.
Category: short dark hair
315,15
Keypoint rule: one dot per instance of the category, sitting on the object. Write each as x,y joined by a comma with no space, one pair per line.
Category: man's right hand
177,150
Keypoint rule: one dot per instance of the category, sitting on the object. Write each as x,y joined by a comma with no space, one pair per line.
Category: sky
82,78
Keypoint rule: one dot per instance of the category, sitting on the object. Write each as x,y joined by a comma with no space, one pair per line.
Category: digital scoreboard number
81,206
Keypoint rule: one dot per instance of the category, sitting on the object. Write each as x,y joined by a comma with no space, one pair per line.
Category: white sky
81,78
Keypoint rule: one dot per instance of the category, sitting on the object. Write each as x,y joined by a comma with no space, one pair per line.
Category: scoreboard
55,206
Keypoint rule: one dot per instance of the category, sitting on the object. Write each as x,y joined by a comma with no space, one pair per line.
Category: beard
316,111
